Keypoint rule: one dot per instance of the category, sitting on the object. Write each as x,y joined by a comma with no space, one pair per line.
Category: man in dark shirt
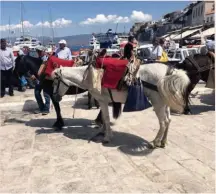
128,49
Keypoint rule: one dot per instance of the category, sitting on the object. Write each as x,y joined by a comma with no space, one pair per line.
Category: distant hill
75,40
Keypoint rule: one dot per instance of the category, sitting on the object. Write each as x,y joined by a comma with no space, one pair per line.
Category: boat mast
42,29
9,31
51,26
116,28
21,9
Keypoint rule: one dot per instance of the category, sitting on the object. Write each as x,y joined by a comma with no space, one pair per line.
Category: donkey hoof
163,145
157,143
187,112
105,141
151,145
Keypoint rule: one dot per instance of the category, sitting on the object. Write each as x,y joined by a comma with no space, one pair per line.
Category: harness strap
193,62
150,86
111,96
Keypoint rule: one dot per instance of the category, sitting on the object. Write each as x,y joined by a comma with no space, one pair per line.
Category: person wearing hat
43,107
17,51
63,52
7,64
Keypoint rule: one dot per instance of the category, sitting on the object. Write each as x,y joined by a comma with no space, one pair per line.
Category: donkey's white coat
170,94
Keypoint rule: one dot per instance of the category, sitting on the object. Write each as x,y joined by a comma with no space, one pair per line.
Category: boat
94,43
27,41
51,47
108,39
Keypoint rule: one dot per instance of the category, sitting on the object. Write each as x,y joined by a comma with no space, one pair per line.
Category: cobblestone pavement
36,159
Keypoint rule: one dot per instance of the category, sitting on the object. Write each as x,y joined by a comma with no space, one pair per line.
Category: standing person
158,53
26,50
43,107
7,64
63,52
128,49
157,50
211,44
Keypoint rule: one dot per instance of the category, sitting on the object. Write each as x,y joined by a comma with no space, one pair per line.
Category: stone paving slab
36,159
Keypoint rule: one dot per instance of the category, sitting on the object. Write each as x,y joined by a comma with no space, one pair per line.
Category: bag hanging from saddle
211,79
93,78
132,69
136,99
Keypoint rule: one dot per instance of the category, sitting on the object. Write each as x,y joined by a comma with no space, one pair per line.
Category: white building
210,17
200,9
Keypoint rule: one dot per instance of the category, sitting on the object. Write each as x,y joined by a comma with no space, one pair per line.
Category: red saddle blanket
114,71
54,62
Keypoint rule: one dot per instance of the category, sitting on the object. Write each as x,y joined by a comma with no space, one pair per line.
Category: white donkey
171,87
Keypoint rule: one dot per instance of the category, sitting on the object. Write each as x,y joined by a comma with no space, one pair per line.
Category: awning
185,34
164,36
205,33
171,36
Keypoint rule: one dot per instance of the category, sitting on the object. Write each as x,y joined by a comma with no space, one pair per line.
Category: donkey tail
173,89
117,109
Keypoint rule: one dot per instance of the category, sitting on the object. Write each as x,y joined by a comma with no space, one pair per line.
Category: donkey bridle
58,84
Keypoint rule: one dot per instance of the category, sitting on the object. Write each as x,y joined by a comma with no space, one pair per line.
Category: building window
199,11
194,14
207,19
211,19
202,10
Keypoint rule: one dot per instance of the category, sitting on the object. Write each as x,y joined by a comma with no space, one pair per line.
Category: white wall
210,18
198,14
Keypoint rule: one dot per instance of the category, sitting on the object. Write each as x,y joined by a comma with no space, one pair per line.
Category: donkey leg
168,121
99,119
59,123
89,101
106,122
96,104
187,110
161,114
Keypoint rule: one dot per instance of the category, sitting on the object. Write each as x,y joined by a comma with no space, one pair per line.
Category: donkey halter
59,80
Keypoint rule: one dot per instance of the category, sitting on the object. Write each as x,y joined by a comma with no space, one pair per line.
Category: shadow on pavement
208,99
208,103
83,129
199,109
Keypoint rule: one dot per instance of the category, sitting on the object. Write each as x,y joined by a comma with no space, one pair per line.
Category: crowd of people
7,59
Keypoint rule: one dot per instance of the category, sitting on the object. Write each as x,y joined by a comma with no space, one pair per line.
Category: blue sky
76,12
